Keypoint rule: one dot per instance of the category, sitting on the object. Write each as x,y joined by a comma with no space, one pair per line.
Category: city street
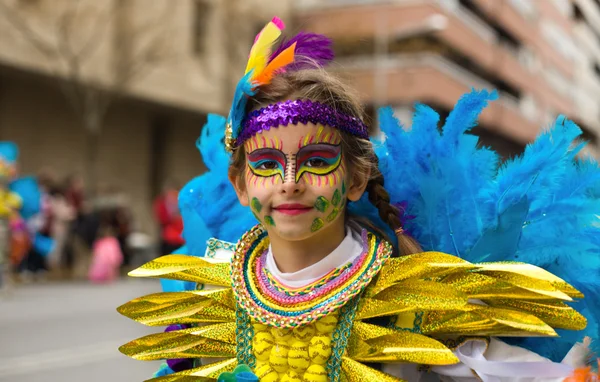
70,332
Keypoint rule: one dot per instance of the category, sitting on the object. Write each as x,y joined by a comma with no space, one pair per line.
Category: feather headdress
263,64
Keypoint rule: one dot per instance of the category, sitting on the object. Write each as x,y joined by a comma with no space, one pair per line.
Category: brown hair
319,86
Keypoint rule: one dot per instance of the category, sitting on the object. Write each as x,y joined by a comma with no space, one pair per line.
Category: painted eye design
316,163
267,165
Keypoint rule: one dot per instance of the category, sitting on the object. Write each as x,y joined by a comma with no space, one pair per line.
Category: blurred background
105,100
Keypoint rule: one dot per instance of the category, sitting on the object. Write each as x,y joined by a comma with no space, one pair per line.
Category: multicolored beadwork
268,305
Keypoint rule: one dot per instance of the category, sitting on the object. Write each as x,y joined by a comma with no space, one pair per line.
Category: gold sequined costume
413,309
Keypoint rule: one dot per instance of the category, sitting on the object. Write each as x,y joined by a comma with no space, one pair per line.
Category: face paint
319,159
322,205
302,165
266,163
256,206
332,138
317,224
256,143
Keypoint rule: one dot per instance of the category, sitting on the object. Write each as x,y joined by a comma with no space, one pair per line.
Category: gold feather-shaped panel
531,278
420,265
411,296
555,313
182,307
206,373
212,341
354,371
372,343
186,268
479,320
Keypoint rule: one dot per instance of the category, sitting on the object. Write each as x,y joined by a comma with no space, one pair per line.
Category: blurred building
170,63
543,56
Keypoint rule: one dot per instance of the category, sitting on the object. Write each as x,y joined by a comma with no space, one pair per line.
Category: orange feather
283,59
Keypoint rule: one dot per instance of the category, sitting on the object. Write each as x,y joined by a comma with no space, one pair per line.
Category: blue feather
541,208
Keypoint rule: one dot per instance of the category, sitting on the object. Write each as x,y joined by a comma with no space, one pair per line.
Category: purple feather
311,49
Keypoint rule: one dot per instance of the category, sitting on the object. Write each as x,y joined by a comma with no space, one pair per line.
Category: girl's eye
267,165
316,162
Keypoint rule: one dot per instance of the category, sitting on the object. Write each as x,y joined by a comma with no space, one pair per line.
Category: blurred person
63,213
166,212
34,265
10,203
106,257
75,194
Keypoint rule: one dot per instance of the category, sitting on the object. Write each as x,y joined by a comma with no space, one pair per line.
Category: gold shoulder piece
357,372
213,341
411,296
417,266
186,268
206,373
372,343
478,320
555,313
531,278
181,307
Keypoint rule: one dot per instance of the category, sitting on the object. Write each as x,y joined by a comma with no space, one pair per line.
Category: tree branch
37,41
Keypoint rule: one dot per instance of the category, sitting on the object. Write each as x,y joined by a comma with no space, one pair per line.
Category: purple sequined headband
299,111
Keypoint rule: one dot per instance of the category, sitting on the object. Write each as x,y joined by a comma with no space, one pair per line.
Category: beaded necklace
270,305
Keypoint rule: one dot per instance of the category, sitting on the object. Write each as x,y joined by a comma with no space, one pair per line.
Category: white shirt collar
349,249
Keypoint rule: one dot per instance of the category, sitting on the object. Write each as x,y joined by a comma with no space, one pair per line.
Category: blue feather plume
540,208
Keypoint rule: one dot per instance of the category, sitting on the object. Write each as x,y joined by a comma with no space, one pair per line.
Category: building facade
170,63
540,55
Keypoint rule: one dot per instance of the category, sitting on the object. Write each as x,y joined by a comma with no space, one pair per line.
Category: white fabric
499,362
349,249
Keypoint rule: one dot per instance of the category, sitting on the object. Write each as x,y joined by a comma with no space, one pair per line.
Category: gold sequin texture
180,307
373,343
357,372
206,373
420,265
187,343
187,268
484,321
555,314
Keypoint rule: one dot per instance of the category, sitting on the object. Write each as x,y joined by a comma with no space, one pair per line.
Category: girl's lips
292,209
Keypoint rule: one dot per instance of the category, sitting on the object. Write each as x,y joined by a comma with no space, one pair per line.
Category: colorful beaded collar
267,303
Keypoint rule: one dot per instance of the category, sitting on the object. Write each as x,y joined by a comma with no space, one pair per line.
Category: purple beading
299,111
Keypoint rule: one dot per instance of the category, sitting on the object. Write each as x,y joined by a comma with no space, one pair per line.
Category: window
202,13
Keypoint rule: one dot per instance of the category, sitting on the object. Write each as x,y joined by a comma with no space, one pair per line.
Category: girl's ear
358,185
240,188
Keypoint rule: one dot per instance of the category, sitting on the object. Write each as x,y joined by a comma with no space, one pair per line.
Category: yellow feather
259,54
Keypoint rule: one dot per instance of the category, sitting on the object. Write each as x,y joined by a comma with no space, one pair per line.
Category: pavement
69,331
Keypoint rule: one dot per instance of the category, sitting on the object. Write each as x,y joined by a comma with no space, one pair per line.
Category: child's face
295,181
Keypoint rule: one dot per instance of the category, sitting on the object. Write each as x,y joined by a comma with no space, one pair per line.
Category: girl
316,293
107,257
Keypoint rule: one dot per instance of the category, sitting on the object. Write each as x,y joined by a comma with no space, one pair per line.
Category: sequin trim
292,112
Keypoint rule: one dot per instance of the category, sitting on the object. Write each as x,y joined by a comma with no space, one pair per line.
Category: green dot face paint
322,204
269,221
255,205
317,224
